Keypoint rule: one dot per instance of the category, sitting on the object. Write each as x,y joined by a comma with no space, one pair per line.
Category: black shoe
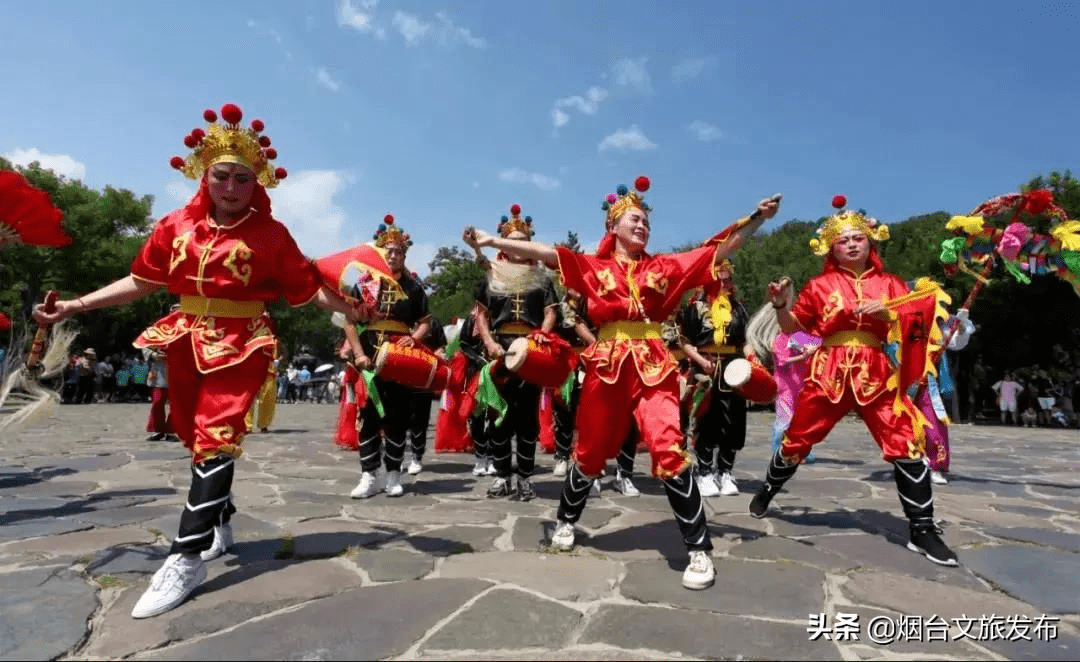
759,505
500,487
926,541
157,436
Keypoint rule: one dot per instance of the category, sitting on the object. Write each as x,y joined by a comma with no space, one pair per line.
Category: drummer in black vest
712,327
516,297
403,319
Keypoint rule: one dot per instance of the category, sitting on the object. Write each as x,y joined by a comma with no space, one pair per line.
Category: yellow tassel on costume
1068,233
972,225
720,314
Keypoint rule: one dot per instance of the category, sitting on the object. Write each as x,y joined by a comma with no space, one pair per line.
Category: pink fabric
789,376
1013,239
937,437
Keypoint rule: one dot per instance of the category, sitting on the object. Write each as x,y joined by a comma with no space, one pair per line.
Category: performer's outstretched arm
123,291
529,250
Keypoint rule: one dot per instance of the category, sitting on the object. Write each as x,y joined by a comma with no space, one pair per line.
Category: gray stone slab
879,553
332,537
597,518
122,516
455,540
394,617
82,542
1040,536
120,559
52,488
504,619
43,612
801,522
780,590
1061,646
702,635
41,527
532,534
393,565
1046,578
89,462
299,511
560,576
807,552
836,488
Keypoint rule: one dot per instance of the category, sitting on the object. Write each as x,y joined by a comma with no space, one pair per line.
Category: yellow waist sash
514,329
713,348
852,339
210,307
394,326
625,330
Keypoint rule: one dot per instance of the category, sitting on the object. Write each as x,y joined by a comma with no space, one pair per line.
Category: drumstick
37,349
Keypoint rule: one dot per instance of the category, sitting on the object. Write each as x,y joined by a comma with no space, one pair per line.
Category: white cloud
452,34
410,27
326,80
359,16
588,104
519,176
631,73
691,68
704,131
180,191
625,139
61,164
443,31
305,203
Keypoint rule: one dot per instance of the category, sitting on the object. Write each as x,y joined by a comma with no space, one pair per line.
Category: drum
544,364
416,367
750,380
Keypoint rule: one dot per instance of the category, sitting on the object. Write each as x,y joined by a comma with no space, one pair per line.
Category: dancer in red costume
845,305
629,372
225,256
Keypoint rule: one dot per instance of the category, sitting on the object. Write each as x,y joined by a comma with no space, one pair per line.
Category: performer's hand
778,291
495,350
405,341
62,311
477,238
874,308
362,363
768,207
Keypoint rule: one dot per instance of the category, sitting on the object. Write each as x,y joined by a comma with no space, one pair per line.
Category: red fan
343,270
27,214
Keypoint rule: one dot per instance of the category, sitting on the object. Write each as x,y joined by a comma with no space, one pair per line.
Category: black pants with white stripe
209,504
419,422
682,494
393,425
523,421
720,433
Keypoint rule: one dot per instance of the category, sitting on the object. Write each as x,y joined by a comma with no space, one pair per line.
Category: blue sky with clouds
446,112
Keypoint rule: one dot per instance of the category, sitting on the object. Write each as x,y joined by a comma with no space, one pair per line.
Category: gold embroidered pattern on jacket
606,280
179,250
833,304
239,251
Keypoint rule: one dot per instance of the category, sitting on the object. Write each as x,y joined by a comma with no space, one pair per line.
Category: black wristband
783,305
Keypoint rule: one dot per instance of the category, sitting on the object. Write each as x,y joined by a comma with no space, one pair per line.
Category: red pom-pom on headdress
257,125
190,141
388,219
280,173
839,202
231,113
198,133
264,141
515,209
271,153
176,162
642,184
209,115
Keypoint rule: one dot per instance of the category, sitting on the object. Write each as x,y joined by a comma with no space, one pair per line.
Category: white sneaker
563,536
393,484
728,487
223,540
481,467
414,467
489,470
561,467
170,585
706,484
700,573
367,487
938,478
595,489
625,485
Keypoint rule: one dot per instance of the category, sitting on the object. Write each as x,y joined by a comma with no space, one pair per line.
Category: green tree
452,283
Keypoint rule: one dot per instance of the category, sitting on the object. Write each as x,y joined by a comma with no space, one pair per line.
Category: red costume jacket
621,290
228,273
851,355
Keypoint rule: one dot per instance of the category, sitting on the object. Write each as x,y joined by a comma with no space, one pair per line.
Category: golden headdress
514,223
623,199
388,233
230,143
842,221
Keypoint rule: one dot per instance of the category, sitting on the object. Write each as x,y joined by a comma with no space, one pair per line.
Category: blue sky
446,112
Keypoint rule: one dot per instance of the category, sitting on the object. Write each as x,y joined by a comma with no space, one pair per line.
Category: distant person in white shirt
1007,389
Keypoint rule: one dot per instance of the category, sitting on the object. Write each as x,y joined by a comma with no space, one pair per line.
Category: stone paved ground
87,508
